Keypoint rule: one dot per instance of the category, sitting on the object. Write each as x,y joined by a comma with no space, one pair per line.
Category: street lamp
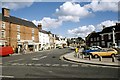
113,31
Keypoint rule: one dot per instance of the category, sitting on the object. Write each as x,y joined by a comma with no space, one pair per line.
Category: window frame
3,35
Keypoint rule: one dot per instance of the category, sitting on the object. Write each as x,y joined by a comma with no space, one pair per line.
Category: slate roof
94,34
105,30
109,29
43,31
18,21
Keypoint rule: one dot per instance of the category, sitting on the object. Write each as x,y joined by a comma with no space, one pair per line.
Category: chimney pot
103,27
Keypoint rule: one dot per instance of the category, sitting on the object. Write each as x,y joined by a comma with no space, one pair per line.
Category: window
91,44
91,39
18,27
102,37
3,25
18,33
98,43
32,32
103,43
97,38
33,38
109,36
94,39
18,36
2,34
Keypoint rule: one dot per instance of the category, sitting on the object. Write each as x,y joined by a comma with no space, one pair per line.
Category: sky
67,18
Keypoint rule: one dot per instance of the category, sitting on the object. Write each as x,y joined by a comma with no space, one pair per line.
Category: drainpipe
10,34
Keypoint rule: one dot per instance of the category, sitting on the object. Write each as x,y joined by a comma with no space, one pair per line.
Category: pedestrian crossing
52,65
45,65
56,65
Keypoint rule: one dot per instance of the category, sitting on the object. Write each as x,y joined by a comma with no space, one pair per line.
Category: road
47,64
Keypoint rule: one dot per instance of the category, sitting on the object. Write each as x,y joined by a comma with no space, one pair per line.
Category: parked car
7,50
104,52
92,49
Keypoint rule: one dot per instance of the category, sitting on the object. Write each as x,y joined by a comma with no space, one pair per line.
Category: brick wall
11,33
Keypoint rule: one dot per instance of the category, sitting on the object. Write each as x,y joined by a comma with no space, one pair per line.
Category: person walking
76,51
81,49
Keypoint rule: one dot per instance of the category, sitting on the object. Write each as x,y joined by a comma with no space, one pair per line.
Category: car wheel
113,55
96,56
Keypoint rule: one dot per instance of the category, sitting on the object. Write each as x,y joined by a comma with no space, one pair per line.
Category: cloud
71,11
36,22
16,4
103,5
82,31
106,23
48,23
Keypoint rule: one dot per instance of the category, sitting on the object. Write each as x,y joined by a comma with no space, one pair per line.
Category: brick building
105,37
18,32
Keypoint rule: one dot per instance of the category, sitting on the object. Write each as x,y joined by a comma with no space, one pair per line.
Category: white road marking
47,64
6,76
35,59
94,66
14,64
21,64
64,65
56,65
29,64
38,64
16,60
74,65
43,57
84,65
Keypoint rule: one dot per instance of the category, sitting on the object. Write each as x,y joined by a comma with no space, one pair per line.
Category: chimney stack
104,27
40,26
117,24
6,12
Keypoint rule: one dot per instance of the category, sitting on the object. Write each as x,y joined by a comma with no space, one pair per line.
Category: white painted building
44,40
61,42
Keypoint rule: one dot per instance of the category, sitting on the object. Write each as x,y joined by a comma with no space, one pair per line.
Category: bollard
113,59
100,58
78,55
82,56
90,57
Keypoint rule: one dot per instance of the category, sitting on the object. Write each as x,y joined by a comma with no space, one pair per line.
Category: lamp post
113,31
74,42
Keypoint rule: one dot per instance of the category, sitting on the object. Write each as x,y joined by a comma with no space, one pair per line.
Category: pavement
93,61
